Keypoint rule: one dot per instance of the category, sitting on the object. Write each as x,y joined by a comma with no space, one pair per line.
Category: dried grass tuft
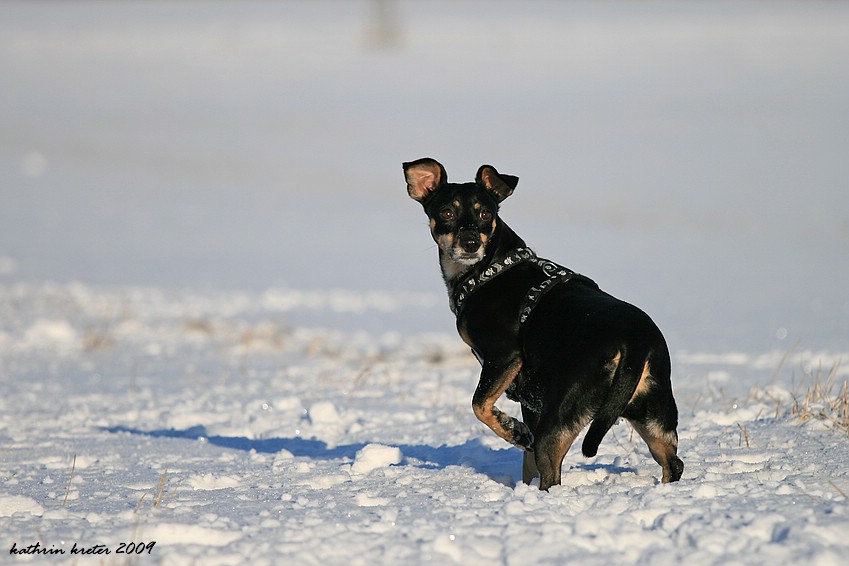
826,398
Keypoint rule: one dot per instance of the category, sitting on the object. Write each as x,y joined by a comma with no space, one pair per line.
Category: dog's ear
423,177
499,185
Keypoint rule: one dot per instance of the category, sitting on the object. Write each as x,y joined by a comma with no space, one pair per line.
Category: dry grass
840,491
744,435
826,398
70,479
162,479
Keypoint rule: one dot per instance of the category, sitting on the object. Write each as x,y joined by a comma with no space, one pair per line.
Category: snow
331,446
222,327
375,456
13,504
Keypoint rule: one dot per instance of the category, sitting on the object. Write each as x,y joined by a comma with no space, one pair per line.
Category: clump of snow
51,334
324,413
375,456
13,504
212,481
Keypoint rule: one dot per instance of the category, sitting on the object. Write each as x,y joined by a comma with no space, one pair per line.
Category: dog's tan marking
485,409
493,225
432,224
476,206
664,436
644,384
611,366
549,454
663,445
456,203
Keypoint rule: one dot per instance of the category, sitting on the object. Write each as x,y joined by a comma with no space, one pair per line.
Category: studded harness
552,272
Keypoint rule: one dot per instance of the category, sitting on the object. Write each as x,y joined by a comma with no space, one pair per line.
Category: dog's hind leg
555,439
663,445
550,451
654,416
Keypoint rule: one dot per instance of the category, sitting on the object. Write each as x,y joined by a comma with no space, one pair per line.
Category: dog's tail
626,378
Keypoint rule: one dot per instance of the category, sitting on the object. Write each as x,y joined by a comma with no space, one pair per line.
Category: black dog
544,335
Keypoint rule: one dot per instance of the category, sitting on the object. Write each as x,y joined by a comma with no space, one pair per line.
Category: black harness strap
553,273
471,284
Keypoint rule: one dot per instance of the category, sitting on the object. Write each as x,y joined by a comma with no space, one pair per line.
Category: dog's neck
503,241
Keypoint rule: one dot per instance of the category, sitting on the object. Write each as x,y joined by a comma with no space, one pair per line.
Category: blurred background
692,157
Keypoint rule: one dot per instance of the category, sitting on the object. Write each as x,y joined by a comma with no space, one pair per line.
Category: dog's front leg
495,378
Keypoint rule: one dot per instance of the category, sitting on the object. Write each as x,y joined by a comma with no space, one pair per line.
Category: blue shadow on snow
500,465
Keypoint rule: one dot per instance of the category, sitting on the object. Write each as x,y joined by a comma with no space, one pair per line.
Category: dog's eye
446,214
486,215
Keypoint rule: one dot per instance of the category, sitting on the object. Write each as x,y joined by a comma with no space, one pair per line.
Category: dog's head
463,216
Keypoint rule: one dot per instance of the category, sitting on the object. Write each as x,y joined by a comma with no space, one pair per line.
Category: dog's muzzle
469,240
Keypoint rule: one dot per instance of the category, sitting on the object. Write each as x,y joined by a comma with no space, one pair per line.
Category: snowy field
224,338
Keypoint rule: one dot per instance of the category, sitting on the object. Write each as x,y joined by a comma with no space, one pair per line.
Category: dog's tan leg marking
644,384
663,446
490,388
549,456
615,361
611,366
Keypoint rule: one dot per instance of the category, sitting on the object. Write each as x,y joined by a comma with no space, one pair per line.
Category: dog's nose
470,240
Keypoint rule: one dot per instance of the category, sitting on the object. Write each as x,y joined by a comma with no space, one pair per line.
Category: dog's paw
520,434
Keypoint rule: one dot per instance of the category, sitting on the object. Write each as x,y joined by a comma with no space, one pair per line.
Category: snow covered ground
222,328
